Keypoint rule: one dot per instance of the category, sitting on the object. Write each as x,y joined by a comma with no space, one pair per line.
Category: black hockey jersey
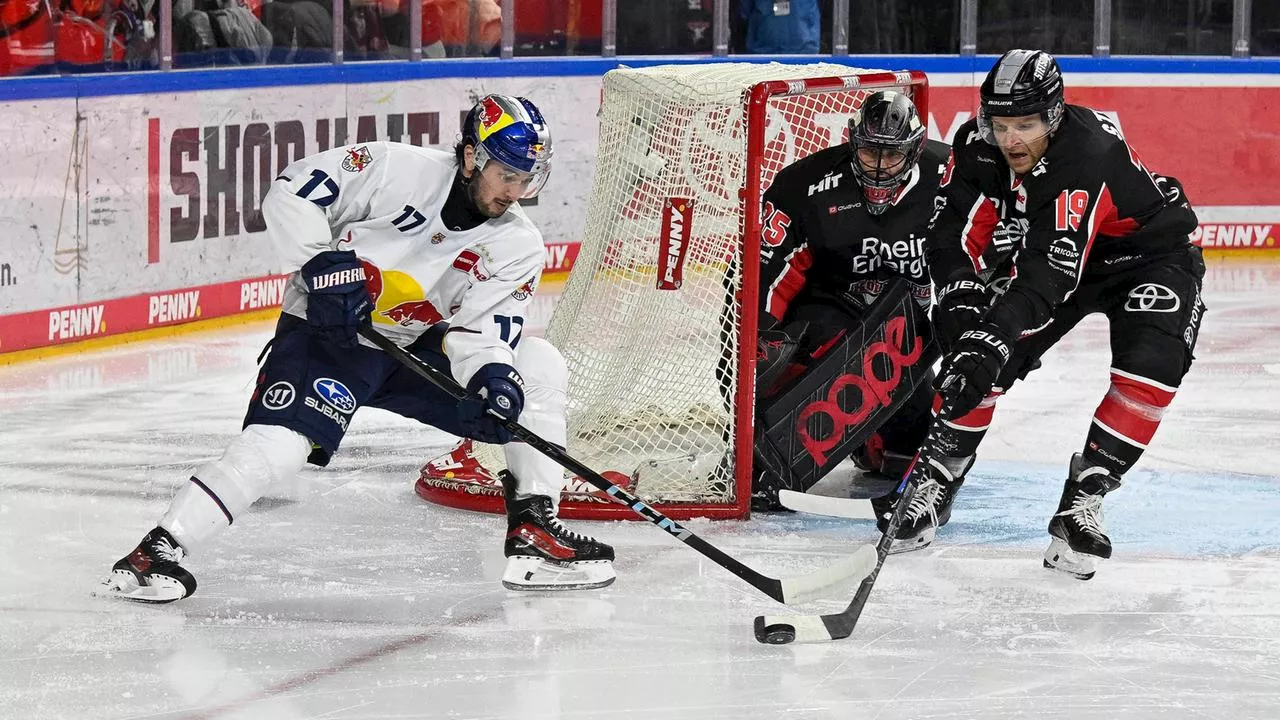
818,238
1089,206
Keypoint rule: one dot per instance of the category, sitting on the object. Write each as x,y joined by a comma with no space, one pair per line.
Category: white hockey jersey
382,200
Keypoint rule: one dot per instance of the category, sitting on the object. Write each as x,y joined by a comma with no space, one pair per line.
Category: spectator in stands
469,27
781,27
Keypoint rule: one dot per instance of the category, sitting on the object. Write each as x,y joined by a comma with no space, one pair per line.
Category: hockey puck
774,634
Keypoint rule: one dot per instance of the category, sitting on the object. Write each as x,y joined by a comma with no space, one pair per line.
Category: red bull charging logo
398,299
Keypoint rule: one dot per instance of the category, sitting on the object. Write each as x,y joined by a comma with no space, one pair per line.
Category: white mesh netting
653,371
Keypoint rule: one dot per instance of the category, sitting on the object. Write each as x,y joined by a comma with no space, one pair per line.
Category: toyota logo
1150,297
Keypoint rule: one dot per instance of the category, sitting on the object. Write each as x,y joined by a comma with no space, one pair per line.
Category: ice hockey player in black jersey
837,226
1045,215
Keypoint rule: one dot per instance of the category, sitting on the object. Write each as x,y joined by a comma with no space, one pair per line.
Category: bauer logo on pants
673,242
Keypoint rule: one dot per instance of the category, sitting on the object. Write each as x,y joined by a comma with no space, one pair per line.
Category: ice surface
346,596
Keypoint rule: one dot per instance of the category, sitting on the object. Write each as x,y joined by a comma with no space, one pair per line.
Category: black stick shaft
842,624
769,586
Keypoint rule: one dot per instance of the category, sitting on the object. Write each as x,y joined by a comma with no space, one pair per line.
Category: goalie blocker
813,417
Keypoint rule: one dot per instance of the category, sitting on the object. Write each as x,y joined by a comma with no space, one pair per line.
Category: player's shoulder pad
971,151
799,175
521,236
933,157
409,157
1085,135
968,135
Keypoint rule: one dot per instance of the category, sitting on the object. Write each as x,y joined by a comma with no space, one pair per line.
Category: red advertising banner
1219,141
57,326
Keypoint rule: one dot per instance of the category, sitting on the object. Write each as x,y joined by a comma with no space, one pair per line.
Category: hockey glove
494,389
775,346
973,366
960,307
337,301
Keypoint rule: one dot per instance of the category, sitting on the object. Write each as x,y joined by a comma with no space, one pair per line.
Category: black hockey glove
337,301
776,344
973,366
495,388
960,307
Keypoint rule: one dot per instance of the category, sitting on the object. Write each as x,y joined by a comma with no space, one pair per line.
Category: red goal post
655,356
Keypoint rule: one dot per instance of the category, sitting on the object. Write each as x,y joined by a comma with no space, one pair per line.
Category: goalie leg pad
847,394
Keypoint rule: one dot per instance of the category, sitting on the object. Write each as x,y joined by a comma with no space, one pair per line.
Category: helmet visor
1003,131
527,182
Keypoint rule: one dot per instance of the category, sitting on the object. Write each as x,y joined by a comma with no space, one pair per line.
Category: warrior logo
279,396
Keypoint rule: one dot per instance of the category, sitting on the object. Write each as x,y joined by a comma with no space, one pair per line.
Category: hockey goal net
661,301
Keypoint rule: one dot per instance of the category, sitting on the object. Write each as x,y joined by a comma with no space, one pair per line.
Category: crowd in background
61,36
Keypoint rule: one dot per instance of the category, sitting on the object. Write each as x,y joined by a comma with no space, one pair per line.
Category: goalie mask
511,131
1022,82
886,136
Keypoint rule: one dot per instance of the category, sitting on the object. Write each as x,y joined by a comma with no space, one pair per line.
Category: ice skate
542,554
1079,539
151,572
929,507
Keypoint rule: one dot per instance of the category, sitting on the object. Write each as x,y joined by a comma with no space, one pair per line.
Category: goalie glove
775,346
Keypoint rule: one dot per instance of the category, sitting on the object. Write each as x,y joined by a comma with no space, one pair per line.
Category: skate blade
525,573
919,542
122,585
1062,558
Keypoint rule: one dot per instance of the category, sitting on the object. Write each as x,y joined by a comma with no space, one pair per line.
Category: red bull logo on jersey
357,159
525,291
398,299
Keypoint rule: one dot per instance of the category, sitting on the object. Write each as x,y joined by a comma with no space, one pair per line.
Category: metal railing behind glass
169,34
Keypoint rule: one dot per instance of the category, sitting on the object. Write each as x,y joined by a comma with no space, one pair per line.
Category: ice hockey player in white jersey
432,250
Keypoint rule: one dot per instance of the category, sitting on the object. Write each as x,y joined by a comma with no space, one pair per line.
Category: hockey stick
783,629
851,508
785,590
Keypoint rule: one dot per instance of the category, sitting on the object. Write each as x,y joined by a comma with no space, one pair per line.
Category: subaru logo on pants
336,394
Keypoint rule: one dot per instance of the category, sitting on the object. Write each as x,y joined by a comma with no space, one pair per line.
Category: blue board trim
105,84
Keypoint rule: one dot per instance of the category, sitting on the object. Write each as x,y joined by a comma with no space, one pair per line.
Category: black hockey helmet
886,136
1022,82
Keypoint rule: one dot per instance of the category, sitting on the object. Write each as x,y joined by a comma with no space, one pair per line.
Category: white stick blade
828,506
836,579
785,629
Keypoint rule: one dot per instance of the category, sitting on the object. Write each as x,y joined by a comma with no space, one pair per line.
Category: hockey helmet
886,136
512,131
1022,82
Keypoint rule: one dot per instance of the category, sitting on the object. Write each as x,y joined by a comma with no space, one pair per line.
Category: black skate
929,506
543,554
1079,540
151,572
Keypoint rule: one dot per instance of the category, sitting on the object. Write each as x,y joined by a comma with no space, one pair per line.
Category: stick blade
787,629
837,579
828,506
